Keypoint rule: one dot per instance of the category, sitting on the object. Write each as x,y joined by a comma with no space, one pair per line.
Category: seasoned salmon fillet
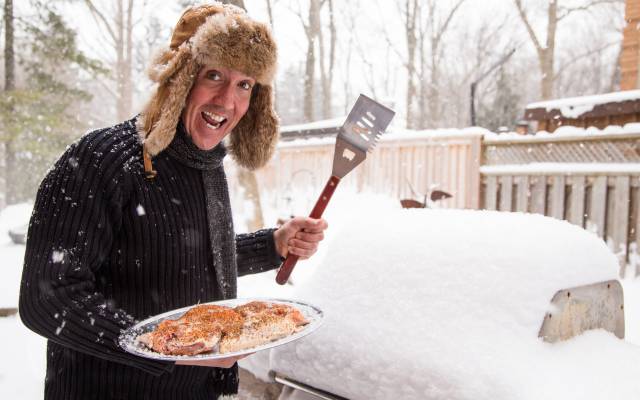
263,323
212,328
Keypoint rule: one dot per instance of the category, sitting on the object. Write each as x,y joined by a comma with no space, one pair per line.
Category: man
135,220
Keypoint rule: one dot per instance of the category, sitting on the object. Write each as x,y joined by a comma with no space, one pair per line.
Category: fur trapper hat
219,35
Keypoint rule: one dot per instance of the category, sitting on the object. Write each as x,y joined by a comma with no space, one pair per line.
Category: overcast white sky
373,21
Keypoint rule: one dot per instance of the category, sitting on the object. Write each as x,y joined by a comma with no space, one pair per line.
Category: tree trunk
9,85
433,92
327,71
248,181
275,88
308,82
128,71
410,33
312,32
10,196
119,47
123,47
430,82
614,81
423,79
270,12
118,27
324,83
9,55
332,55
547,54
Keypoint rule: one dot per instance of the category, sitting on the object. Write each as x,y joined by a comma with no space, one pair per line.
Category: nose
225,96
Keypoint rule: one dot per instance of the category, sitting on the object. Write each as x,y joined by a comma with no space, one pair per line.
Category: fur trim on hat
223,36
236,42
253,140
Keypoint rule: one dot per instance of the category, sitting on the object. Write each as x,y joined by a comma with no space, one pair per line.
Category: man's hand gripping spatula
359,134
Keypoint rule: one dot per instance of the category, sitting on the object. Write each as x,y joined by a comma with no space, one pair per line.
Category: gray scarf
220,221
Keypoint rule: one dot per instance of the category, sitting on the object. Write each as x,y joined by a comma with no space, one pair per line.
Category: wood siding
630,56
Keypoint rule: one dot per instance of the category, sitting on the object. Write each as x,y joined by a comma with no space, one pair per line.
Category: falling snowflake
59,329
57,256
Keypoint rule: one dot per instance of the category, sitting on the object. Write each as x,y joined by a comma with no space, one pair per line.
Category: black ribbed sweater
107,247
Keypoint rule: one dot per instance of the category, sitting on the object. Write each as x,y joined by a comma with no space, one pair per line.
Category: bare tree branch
567,11
582,56
100,17
298,13
270,12
444,26
525,20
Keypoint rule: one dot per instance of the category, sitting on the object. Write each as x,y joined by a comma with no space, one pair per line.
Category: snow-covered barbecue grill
449,304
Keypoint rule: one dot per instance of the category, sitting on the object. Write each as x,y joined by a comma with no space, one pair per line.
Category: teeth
215,117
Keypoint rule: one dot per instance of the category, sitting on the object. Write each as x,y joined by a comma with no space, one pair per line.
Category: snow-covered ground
447,304
11,254
478,318
22,352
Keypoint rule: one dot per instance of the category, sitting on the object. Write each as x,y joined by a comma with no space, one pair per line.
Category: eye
246,85
214,75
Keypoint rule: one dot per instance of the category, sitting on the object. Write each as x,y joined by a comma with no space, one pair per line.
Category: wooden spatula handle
325,196
286,268
290,262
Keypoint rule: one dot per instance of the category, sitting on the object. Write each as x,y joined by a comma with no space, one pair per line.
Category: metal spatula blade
359,134
365,123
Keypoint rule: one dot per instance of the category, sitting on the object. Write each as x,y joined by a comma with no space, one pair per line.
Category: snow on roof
326,123
566,133
563,133
574,107
562,168
443,133
447,304
395,135
310,141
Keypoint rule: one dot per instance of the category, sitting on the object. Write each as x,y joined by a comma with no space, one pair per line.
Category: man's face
217,101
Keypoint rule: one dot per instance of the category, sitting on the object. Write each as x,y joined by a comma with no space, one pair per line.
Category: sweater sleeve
77,212
256,252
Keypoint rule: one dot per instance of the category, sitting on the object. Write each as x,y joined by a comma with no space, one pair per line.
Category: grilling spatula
358,135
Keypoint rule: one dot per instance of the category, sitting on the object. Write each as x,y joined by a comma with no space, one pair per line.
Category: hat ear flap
165,63
254,139
159,118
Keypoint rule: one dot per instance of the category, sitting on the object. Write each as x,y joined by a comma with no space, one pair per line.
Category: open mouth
213,121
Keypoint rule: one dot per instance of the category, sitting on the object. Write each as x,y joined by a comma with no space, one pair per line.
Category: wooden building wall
551,124
630,57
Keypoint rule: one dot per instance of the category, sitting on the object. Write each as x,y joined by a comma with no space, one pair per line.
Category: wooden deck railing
397,165
603,201
592,181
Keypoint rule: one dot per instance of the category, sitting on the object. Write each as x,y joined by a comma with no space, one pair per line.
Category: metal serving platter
128,339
